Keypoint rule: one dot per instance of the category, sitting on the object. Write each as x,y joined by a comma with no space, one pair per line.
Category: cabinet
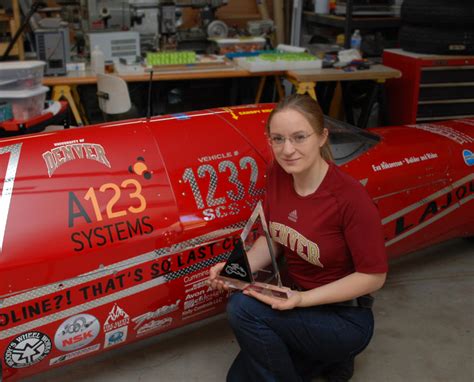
431,88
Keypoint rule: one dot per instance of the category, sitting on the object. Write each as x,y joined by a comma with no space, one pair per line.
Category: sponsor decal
430,209
468,157
115,337
122,223
201,300
161,311
199,257
154,325
405,161
27,349
65,152
196,281
241,173
182,261
245,112
201,305
197,285
140,168
75,354
116,319
181,116
76,332
35,309
465,121
445,131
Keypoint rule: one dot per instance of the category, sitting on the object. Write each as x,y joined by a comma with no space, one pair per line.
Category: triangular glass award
237,273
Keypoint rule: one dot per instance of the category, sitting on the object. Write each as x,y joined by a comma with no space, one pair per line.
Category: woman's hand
213,281
277,303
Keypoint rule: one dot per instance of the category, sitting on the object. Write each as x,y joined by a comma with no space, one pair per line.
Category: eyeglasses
295,139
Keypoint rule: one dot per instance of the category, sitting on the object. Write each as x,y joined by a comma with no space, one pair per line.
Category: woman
327,227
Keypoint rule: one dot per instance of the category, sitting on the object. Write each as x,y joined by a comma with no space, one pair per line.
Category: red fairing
107,232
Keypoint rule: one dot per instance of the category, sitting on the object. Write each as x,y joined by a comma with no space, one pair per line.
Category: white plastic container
26,103
247,44
97,60
19,75
259,65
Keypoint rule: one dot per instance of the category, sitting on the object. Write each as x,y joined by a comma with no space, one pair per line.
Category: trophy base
263,288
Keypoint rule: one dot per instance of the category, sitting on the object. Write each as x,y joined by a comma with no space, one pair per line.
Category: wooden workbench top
376,72
88,77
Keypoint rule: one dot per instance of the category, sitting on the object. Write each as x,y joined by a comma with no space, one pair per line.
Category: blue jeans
293,345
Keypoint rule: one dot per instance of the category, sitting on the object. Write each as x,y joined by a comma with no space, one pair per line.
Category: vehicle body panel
107,232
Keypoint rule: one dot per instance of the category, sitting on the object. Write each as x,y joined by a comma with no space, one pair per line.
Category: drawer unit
431,88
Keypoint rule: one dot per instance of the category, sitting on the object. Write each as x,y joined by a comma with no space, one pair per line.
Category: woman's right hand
214,282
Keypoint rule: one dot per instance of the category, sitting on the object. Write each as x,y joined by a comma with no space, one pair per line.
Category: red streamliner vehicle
107,232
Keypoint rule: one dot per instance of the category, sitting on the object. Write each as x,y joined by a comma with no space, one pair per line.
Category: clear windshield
347,141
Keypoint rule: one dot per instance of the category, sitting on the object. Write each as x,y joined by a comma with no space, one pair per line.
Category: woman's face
295,145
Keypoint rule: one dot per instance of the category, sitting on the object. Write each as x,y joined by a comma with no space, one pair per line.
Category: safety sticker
27,349
76,332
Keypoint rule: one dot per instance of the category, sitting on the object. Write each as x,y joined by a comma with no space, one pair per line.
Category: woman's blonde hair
311,111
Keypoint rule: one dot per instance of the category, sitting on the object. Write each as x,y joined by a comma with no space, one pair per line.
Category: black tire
456,13
436,40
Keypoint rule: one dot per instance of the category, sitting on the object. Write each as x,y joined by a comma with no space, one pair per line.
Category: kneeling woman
329,230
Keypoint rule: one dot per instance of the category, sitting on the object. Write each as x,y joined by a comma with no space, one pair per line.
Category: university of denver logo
292,239
69,151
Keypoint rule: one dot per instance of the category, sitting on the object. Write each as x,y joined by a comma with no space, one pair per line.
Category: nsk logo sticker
116,319
76,332
27,349
115,337
74,354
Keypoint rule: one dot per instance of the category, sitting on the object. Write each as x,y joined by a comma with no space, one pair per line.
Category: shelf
376,22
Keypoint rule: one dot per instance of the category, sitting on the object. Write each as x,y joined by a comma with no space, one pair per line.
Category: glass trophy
237,273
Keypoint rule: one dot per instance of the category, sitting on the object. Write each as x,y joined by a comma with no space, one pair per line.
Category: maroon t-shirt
326,235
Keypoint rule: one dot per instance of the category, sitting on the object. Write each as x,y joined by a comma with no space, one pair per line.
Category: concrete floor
424,332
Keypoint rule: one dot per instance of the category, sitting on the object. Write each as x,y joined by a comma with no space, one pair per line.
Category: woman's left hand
277,303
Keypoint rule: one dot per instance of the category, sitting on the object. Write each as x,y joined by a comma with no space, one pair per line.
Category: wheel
436,40
454,13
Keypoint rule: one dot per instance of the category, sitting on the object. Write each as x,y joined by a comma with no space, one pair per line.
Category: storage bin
18,75
279,61
26,103
229,45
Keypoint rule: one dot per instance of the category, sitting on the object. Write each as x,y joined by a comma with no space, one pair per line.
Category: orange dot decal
139,168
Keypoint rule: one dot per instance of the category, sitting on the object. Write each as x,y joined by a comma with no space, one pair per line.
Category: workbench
304,80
